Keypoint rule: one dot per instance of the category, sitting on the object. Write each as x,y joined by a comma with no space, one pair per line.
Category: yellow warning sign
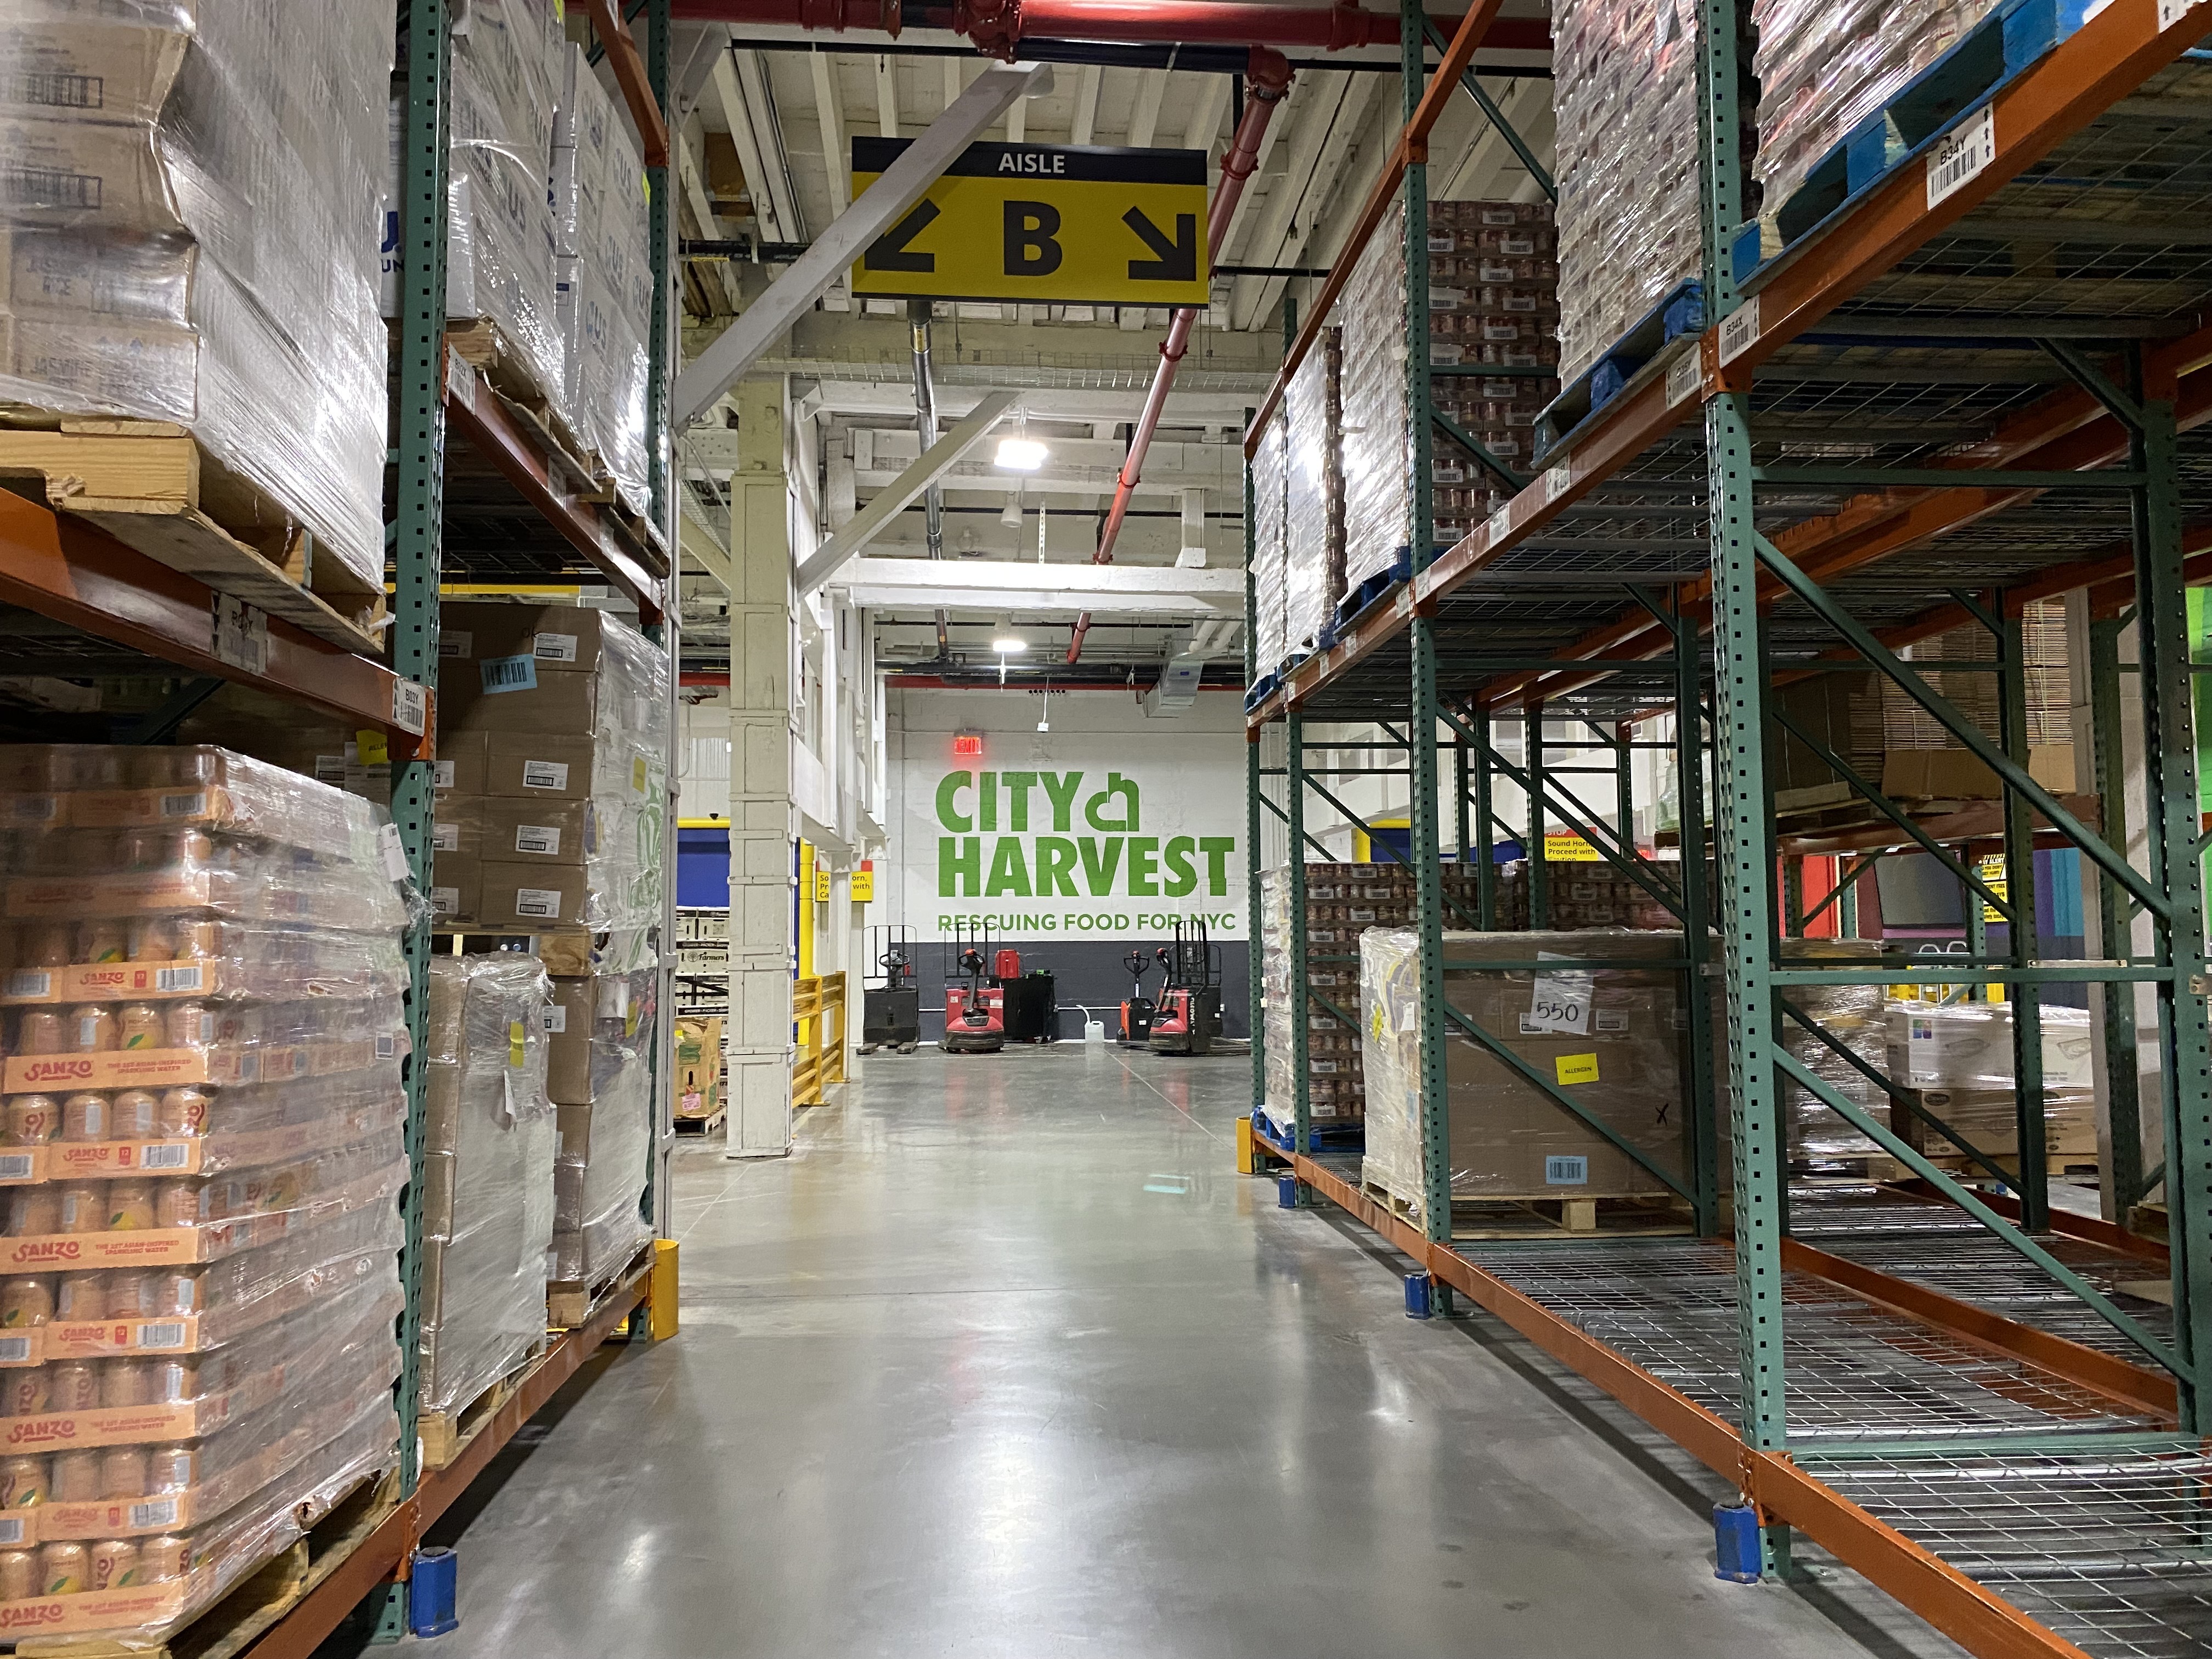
864,882
1577,1068
1084,224
1565,847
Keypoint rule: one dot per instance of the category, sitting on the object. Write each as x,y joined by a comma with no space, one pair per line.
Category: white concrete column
757,1040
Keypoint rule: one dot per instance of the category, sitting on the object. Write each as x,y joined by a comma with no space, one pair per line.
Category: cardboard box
568,1041
557,639
524,895
113,71
538,768
548,704
560,833
457,827
1987,1118
459,769
457,889
1954,774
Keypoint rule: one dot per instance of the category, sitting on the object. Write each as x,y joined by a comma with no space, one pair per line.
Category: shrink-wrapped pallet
1377,447
1823,69
1853,1016
1957,1059
1313,540
1626,97
601,1082
187,187
1271,645
201,1146
505,84
602,276
1611,1038
487,1178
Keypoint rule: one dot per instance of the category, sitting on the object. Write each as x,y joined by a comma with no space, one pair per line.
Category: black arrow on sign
889,251
1176,261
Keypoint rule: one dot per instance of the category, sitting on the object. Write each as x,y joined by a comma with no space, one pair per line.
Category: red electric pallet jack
1189,1018
975,1008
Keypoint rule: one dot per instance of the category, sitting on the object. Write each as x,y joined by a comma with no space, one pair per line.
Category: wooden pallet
701,1126
446,1435
153,487
1548,1215
570,1302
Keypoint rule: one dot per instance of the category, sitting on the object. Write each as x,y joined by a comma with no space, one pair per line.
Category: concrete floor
1007,1359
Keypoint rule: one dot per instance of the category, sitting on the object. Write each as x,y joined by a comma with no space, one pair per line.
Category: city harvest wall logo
998,844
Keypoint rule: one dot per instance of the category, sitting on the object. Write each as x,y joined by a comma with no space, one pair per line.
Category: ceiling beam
830,117
1145,119
1320,143
1019,585
1087,85
862,528
887,109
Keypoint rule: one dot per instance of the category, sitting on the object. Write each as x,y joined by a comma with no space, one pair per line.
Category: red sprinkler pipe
1267,79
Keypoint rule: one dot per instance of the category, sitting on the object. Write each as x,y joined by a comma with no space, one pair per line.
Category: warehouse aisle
1007,1360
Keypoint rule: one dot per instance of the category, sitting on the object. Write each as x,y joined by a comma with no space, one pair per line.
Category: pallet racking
507,504
1971,383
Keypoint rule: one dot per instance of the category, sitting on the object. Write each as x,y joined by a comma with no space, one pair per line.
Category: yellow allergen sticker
370,745
1577,1068
637,774
514,1039
1380,1028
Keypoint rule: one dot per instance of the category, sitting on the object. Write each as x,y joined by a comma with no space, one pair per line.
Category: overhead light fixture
1007,645
1020,454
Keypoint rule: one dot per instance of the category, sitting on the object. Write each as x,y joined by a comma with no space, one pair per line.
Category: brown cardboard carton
459,770
538,768
558,638
568,1041
575,1121
1955,774
549,832
457,889
457,827
518,894
550,704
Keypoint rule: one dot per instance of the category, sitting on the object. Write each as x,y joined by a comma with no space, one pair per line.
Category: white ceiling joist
1003,585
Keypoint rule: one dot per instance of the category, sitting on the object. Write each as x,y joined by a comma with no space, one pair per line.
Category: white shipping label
554,647
441,773
445,901
241,634
394,854
1557,481
445,837
1739,330
539,903
1561,1000
1685,378
456,642
556,1018
1958,156
411,708
1562,1171
545,774
540,838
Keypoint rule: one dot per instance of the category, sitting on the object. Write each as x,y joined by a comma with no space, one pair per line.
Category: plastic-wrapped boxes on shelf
1270,465
202,1147
1611,1038
1625,96
506,81
599,1076
1853,1016
1313,517
488,1176
552,798
181,240
1581,894
603,276
1957,1059
1493,304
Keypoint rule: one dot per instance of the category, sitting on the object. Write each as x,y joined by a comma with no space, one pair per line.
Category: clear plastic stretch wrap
602,276
602,1085
1377,447
1626,97
1824,68
202,1145
1851,1014
1957,1058
1313,559
554,722
506,81
1269,465
1612,1038
488,1180
180,238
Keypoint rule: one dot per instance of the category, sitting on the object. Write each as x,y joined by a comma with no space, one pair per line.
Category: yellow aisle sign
1084,224
1566,847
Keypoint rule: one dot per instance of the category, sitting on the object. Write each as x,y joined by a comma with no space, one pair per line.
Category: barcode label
35,808
55,92
411,708
15,1166
537,902
394,853
1739,330
30,982
1960,155
192,806
161,1512
545,774
241,634
14,1350
1684,379
1610,1020
169,1333
1557,481
456,642
445,837
11,1530
441,773
48,187
502,674
1566,1171
1498,525
173,1156
545,838
387,1046
554,647
445,901
188,977
556,1019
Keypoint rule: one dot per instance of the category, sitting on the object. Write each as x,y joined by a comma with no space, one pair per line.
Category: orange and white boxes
202,1147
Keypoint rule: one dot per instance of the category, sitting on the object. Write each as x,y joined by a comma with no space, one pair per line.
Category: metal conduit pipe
1267,82
1000,27
918,314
